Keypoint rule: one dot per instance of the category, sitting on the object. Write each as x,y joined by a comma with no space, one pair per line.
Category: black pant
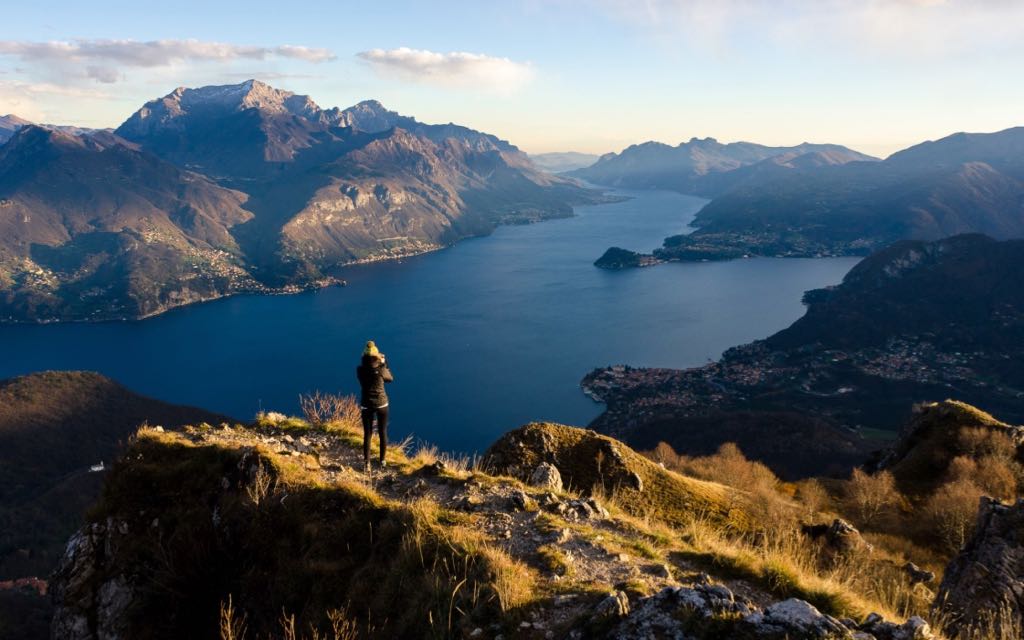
382,430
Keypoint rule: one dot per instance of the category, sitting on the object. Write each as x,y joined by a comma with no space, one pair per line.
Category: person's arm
386,373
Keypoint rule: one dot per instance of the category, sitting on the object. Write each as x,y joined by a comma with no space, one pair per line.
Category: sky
548,75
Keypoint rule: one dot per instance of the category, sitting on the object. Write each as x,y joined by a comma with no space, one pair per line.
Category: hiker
373,373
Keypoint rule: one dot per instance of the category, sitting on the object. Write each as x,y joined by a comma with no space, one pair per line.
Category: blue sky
586,75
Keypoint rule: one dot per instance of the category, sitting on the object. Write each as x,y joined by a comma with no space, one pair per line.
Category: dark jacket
372,374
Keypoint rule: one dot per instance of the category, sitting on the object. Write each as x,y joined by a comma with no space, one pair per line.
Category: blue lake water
482,337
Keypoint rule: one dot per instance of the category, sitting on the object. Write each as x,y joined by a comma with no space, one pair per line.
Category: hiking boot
366,467
383,464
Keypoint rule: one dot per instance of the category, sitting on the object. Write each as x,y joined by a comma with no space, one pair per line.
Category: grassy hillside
273,530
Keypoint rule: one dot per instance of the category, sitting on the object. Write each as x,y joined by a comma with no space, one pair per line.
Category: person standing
373,374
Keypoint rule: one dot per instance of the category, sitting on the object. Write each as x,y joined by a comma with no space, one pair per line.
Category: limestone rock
988,574
616,605
795,618
546,476
913,629
87,604
675,611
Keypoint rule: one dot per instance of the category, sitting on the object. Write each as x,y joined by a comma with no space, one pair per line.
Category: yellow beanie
371,349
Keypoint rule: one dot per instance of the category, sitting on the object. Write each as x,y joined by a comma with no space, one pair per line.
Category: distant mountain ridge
562,161
10,124
964,183
705,166
243,188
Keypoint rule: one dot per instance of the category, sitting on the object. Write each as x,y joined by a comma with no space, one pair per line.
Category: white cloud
103,74
105,60
454,69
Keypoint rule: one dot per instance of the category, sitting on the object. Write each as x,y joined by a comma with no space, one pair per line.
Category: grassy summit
271,530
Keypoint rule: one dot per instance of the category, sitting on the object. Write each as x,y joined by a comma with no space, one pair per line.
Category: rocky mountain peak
11,119
695,141
9,124
165,113
371,116
251,94
35,135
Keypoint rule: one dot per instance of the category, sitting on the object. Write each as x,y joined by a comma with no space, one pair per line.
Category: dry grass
787,566
261,484
511,581
331,411
454,464
555,560
1001,623
327,546
232,624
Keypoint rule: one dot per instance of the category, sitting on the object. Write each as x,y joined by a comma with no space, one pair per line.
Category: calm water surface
482,337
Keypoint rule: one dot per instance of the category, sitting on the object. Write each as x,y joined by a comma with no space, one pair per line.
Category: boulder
795,618
913,629
546,476
615,606
519,500
675,612
840,537
918,575
987,577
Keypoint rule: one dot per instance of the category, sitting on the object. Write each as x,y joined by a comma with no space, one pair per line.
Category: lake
482,337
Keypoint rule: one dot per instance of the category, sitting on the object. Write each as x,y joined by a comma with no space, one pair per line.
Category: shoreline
323,283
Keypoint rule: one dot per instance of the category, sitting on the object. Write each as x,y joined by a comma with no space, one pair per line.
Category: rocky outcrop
706,609
615,606
876,627
794,618
587,461
90,605
581,457
674,610
983,586
931,441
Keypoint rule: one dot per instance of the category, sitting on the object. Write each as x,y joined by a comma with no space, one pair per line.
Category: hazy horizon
560,75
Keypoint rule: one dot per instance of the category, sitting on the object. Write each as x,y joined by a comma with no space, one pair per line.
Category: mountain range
10,124
563,161
963,183
242,188
707,167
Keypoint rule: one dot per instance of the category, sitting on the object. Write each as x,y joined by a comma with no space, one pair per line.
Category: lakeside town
755,376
